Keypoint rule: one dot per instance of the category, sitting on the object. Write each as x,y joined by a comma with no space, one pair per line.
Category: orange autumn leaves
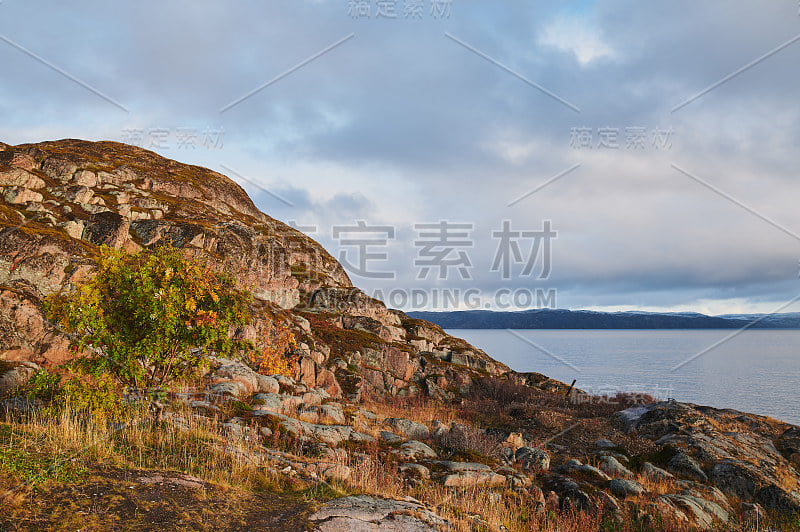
274,358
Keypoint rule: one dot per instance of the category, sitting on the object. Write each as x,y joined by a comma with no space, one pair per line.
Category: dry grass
419,409
206,452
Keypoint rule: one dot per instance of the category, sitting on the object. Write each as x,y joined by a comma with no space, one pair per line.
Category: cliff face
61,200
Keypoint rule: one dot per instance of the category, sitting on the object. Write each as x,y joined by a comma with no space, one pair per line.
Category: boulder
683,465
227,389
413,449
326,380
331,414
204,406
20,195
15,375
460,467
18,177
332,435
588,470
240,374
267,384
390,437
107,228
735,478
789,441
699,511
776,499
611,465
416,470
532,458
268,401
408,428
655,472
361,437
623,487
330,471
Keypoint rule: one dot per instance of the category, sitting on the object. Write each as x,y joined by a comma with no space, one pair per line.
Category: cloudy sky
660,140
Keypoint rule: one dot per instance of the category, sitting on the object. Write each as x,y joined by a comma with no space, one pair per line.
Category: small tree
272,358
149,317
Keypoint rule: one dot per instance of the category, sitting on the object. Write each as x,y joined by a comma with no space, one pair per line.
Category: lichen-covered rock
701,512
366,513
413,449
243,376
267,384
776,499
685,466
612,466
14,375
408,428
739,479
622,487
532,458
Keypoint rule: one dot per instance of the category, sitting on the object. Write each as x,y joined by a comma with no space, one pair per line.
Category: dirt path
111,499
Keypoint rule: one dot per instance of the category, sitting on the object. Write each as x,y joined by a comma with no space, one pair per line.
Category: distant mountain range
587,319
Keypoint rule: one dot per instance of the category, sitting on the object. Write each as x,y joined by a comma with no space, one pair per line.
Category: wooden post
570,387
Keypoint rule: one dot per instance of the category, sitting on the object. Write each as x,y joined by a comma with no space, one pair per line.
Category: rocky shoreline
359,366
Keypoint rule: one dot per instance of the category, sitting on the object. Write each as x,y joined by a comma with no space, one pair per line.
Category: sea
755,371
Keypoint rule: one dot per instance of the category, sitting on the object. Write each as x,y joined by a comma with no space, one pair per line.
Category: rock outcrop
62,200
521,439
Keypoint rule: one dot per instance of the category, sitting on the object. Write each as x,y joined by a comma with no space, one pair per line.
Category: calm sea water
755,371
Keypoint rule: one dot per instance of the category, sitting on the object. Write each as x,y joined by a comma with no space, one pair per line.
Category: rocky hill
63,199
422,430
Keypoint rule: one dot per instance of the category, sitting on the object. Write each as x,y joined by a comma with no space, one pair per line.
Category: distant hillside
586,319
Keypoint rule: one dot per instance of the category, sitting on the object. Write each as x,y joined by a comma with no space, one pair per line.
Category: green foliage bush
81,393
148,318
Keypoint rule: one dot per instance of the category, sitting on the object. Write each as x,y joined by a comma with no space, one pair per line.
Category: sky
611,155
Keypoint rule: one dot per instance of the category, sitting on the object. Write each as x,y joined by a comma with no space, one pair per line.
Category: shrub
95,396
149,318
273,359
471,443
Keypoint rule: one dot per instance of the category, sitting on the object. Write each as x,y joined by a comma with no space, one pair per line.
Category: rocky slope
63,199
474,425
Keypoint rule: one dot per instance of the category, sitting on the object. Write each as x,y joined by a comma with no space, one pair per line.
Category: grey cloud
417,120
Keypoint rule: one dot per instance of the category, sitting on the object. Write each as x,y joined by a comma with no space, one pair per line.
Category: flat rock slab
367,513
